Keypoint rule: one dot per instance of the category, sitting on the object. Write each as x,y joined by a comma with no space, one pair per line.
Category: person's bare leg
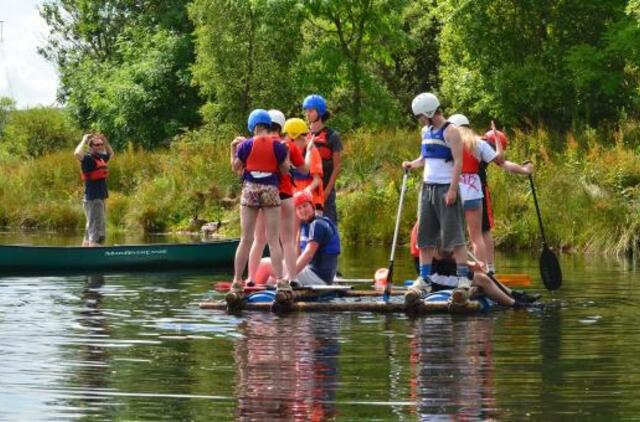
272,223
288,237
248,216
257,248
491,290
488,243
474,225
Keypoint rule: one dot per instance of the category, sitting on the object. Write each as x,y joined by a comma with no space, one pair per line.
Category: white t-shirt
437,170
470,184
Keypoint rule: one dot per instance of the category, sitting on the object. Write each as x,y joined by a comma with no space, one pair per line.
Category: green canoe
18,259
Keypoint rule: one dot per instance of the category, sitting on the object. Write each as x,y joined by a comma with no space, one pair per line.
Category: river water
137,347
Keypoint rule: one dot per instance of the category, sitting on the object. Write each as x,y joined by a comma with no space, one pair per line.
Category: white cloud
24,74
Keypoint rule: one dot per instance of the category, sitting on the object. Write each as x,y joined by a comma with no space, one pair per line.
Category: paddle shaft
535,201
491,276
396,231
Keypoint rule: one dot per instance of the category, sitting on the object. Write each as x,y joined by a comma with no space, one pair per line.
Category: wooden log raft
423,307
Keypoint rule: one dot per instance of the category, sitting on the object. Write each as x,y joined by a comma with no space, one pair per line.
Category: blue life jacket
331,248
434,145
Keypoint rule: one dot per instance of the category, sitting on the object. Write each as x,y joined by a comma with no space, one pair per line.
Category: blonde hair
469,139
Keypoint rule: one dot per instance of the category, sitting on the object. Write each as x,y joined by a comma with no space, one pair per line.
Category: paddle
403,189
491,276
550,270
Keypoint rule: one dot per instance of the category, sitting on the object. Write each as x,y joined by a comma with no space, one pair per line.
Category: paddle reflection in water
453,368
287,370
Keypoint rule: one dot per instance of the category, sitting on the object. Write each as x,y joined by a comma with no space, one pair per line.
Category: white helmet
425,103
277,117
459,120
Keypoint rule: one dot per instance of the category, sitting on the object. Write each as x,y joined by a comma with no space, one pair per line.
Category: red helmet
301,197
490,136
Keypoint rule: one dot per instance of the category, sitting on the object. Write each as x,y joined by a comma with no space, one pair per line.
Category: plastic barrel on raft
265,296
444,295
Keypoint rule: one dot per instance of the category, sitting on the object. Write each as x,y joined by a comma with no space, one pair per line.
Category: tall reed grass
587,185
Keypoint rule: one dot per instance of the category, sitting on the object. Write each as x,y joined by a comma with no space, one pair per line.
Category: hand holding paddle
550,270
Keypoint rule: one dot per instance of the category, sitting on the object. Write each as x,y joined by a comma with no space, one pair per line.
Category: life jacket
321,141
331,248
262,157
470,164
287,184
301,180
100,171
434,144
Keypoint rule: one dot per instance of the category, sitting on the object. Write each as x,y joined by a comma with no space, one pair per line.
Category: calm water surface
137,347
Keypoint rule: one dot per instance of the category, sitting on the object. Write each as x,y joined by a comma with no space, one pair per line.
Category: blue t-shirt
243,151
94,189
325,260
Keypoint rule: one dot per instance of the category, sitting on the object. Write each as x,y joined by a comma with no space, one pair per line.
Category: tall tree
246,55
348,40
124,66
524,61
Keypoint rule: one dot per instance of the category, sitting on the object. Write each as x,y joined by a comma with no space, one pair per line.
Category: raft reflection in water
287,370
453,371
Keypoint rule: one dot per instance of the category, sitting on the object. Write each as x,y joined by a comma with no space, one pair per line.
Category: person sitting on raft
319,244
443,277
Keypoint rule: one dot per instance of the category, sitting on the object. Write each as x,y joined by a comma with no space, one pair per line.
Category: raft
54,260
439,302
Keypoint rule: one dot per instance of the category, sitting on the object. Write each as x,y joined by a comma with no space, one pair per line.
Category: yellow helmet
295,127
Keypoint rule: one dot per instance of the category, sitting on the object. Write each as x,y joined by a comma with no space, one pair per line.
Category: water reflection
90,357
287,368
453,368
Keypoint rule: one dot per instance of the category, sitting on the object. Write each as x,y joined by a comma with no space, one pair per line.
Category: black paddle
550,270
491,276
403,189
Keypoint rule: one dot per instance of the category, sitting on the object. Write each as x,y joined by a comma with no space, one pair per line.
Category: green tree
38,131
529,61
349,43
7,105
124,66
246,55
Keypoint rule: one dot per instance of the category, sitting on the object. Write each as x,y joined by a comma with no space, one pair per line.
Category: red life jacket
100,172
321,141
262,156
470,164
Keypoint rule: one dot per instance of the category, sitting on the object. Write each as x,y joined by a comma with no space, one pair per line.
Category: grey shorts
437,222
307,278
95,211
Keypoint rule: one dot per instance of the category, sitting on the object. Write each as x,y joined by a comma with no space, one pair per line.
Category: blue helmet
257,117
315,101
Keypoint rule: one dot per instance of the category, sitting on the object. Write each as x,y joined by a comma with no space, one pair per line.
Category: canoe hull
153,257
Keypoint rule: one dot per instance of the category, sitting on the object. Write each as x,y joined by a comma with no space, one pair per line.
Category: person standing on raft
440,209
93,164
319,244
260,159
329,145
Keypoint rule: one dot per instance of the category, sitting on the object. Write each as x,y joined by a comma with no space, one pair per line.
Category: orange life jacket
321,141
100,172
470,164
262,156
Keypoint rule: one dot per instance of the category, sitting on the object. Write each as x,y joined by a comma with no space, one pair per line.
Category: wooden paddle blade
550,270
519,280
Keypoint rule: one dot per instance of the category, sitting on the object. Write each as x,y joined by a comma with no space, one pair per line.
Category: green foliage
7,105
38,131
246,56
541,62
124,66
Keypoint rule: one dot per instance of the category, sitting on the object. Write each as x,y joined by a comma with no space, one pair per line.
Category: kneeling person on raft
319,244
